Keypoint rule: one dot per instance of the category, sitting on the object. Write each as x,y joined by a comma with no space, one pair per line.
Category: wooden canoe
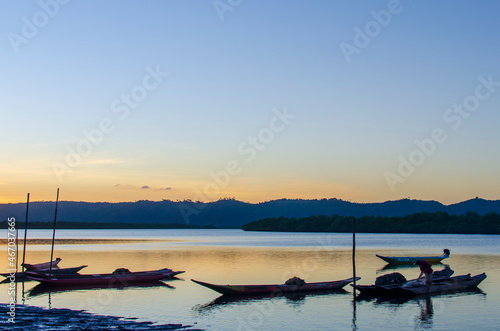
41,266
443,285
105,279
276,289
21,276
409,260
452,284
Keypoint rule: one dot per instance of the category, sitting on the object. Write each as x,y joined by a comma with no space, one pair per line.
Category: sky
364,101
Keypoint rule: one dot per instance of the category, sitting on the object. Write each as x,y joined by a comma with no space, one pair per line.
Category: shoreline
79,241
36,318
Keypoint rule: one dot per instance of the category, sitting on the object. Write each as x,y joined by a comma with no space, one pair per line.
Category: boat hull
409,260
276,289
452,284
105,279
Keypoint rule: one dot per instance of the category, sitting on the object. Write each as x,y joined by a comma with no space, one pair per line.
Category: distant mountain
229,213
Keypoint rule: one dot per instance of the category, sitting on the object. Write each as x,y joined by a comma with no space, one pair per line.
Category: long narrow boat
408,260
20,276
445,285
276,289
453,284
105,279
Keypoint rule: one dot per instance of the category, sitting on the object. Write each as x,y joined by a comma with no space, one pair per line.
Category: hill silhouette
230,213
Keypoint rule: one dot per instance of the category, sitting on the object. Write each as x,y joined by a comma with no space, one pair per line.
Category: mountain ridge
231,213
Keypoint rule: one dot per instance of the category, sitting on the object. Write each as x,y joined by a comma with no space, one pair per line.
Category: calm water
234,256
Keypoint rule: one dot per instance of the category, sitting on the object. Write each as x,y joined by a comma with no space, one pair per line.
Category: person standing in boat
446,253
425,269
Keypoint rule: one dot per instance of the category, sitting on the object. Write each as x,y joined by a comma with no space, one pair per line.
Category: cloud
145,187
105,161
125,187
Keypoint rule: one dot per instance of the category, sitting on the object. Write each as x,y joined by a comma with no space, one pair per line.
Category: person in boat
426,270
446,253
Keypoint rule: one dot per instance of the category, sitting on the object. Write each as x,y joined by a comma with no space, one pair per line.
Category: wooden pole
354,326
53,236
25,229
17,249
354,250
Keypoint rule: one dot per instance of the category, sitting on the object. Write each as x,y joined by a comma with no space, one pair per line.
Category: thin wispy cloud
143,187
105,162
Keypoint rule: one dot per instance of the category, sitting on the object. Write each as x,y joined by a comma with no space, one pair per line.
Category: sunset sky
358,100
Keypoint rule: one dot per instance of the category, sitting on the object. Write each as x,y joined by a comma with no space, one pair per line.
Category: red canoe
105,279
276,289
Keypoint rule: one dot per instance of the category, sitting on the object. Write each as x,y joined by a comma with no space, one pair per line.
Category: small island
425,222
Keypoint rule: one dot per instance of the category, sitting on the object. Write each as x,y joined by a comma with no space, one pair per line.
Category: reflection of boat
401,299
390,266
23,276
444,285
291,297
41,266
43,288
411,259
276,289
123,278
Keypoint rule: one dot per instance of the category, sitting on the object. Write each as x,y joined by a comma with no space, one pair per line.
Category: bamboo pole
354,250
53,236
25,229
17,248
354,326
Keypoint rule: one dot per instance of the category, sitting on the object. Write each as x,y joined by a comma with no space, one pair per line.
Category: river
238,257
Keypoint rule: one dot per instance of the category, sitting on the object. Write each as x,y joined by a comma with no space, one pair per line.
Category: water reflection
41,289
354,312
291,299
190,303
426,313
390,266
423,317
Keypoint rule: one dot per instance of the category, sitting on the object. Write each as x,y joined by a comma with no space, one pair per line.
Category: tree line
423,222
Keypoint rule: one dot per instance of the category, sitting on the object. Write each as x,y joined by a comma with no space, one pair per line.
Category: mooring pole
25,229
53,236
354,250
354,326
17,248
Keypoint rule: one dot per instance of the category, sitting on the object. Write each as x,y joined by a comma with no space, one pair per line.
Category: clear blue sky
211,81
